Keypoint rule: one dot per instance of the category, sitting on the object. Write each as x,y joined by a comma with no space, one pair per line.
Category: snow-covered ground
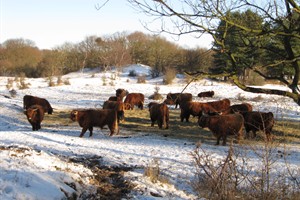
37,168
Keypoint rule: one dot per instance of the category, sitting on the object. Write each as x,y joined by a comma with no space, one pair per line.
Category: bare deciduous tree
281,23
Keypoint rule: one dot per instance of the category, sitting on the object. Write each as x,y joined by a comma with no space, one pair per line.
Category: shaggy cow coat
220,105
114,98
29,100
87,119
206,94
160,113
135,99
238,108
118,106
223,125
35,115
255,121
195,109
179,98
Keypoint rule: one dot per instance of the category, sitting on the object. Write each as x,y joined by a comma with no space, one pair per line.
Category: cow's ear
24,111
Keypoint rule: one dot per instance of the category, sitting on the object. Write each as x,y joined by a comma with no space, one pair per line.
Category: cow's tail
116,123
164,121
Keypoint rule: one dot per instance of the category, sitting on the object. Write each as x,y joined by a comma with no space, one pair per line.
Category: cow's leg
181,115
112,131
187,117
39,126
218,140
84,129
152,123
33,126
141,106
91,131
159,123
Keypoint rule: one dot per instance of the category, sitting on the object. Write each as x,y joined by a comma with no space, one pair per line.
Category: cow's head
169,102
121,93
73,115
31,113
127,106
203,120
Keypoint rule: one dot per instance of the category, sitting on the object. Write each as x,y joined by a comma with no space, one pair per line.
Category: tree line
250,39
22,57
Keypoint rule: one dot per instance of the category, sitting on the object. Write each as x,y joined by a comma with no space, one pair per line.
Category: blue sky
50,23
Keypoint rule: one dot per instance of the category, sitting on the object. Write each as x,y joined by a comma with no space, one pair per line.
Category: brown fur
127,106
114,98
220,105
179,98
194,109
35,115
238,108
121,93
169,102
206,94
255,121
118,106
223,125
87,119
159,113
29,100
135,99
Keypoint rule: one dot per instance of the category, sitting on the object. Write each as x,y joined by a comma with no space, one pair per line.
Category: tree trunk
294,96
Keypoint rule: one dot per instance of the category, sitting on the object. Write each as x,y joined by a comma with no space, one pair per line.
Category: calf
29,100
255,121
159,113
135,99
223,125
87,119
206,94
118,106
35,115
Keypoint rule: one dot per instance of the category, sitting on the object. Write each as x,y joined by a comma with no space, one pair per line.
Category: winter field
54,163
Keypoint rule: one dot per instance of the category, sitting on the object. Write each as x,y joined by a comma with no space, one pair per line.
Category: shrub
104,80
141,79
156,95
59,80
235,177
132,73
169,76
22,84
10,83
154,173
255,79
51,82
